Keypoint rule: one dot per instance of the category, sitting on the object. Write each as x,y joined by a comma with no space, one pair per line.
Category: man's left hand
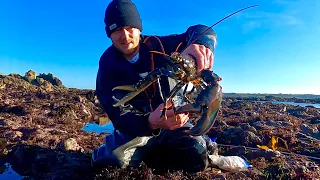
202,54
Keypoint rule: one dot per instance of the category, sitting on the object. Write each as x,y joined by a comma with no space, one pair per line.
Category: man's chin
128,51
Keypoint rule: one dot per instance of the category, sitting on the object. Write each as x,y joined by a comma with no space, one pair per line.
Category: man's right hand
171,123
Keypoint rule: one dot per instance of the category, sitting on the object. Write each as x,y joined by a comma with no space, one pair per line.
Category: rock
3,144
79,99
308,129
236,151
258,124
49,77
56,82
103,120
18,76
47,86
269,155
72,145
315,120
250,139
278,123
39,81
30,76
284,109
249,128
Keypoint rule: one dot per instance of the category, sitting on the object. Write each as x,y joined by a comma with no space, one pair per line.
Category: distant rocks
30,76
31,81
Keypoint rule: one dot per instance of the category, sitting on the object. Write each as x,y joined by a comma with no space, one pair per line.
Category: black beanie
121,13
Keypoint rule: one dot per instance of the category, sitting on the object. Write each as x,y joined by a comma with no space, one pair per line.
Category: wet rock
315,120
269,155
250,128
259,124
299,112
238,136
215,176
311,130
279,123
308,129
235,151
250,139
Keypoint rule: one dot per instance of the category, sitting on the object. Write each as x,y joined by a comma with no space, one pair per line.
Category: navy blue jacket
115,70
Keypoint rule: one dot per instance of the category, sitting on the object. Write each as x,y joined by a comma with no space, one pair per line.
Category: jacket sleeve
208,39
128,123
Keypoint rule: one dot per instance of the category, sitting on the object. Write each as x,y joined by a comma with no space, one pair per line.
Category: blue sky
273,48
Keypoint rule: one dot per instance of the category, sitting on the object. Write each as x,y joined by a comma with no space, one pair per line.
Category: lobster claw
127,88
207,106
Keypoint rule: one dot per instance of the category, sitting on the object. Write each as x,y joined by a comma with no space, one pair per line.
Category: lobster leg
173,92
131,95
142,85
185,93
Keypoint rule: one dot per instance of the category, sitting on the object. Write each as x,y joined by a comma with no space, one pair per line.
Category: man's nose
125,33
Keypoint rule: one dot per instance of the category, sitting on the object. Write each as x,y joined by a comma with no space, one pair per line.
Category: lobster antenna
218,23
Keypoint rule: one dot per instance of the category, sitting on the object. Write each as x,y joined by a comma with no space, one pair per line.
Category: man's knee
99,159
131,153
191,156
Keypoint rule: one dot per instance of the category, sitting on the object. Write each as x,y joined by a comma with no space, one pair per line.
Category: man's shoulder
107,57
108,52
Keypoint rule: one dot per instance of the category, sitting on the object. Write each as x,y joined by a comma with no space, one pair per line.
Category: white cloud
269,19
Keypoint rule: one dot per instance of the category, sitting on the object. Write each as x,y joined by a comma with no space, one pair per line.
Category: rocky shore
41,135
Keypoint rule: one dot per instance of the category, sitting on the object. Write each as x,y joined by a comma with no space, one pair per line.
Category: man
140,134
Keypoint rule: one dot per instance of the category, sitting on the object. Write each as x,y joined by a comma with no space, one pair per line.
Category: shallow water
93,127
293,103
9,173
108,128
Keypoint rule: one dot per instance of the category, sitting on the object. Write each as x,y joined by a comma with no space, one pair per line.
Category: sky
273,48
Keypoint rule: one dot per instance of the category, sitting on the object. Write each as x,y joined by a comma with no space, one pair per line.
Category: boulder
30,75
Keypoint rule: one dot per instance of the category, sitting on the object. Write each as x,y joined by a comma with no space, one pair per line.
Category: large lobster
183,69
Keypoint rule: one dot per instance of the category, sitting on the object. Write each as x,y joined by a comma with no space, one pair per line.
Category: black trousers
173,150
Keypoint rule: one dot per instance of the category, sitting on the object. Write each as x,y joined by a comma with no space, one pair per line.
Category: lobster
183,69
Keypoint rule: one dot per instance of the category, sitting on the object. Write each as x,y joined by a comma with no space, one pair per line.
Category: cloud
281,14
269,19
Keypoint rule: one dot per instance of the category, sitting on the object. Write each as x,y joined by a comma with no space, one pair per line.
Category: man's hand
202,54
171,123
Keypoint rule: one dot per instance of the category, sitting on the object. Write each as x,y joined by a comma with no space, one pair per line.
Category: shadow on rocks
35,162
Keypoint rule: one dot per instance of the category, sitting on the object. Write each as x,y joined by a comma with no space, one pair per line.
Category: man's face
126,39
